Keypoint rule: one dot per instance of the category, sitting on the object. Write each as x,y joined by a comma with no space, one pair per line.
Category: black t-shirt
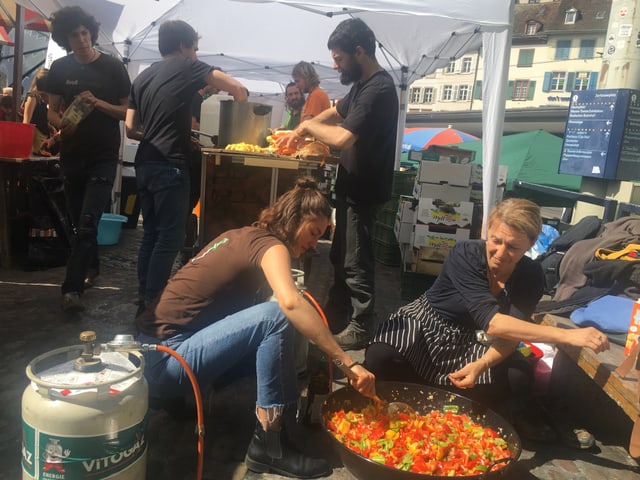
196,106
107,79
162,95
370,110
461,292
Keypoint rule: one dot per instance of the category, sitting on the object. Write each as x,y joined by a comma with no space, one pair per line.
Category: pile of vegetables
442,443
247,147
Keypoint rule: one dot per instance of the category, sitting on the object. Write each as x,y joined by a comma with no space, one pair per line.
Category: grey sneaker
352,338
71,302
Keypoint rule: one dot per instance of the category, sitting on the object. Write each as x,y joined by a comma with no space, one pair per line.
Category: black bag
588,227
49,229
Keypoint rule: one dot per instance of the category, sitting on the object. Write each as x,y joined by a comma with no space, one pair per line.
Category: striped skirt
434,346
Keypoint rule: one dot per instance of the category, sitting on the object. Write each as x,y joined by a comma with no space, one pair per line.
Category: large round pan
424,399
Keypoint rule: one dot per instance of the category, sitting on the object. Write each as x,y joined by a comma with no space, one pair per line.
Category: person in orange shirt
308,81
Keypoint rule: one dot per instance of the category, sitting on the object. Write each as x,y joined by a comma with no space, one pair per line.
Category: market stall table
15,174
236,185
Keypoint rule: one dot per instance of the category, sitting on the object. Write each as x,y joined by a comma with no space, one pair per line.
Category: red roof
32,20
4,37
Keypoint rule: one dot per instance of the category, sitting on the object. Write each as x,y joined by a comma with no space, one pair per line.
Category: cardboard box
441,172
427,267
432,254
424,260
476,174
476,194
441,153
440,212
444,192
407,254
403,231
407,209
419,155
438,236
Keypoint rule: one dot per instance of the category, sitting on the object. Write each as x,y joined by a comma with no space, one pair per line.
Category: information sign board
594,132
629,163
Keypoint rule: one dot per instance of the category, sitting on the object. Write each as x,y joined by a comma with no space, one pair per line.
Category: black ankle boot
272,452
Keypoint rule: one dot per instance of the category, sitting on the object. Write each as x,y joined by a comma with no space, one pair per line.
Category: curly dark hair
303,202
66,20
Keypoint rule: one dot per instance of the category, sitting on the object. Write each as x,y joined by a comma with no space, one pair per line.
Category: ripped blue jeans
87,189
262,331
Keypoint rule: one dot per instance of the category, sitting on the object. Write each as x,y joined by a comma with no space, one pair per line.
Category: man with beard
294,100
363,126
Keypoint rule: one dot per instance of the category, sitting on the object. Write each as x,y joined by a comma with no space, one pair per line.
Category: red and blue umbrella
419,138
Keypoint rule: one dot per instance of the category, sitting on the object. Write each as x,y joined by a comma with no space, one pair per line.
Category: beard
352,73
296,104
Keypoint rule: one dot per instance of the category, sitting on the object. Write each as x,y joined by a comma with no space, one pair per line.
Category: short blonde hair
520,214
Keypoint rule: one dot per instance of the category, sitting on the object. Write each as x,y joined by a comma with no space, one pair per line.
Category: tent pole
402,115
116,190
18,49
496,46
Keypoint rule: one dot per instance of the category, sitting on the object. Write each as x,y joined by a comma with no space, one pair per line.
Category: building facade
557,47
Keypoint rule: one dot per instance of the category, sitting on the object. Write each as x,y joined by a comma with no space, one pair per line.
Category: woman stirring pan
211,313
462,333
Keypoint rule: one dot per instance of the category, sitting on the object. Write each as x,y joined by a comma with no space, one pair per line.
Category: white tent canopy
261,40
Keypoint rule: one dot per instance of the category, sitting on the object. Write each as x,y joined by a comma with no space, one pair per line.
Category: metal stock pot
247,122
423,399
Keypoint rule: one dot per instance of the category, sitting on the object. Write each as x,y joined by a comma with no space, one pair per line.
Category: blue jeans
164,199
262,330
87,189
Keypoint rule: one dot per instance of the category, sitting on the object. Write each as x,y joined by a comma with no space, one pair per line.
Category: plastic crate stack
445,207
385,245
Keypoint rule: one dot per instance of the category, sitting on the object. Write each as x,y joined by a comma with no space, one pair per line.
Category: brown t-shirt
225,277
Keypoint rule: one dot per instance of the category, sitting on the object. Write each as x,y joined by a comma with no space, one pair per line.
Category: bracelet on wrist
346,369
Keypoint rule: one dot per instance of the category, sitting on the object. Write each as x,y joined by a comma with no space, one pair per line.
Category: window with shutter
477,90
558,81
563,49
525,57
587,49
521,90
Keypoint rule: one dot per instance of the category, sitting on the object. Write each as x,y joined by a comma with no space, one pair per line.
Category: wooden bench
601,368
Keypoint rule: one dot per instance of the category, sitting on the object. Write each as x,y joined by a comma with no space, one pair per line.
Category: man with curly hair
88,150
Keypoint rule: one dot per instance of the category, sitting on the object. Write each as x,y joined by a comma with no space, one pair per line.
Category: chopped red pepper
438,443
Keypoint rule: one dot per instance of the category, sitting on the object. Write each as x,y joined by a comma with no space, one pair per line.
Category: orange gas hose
199,408
316,305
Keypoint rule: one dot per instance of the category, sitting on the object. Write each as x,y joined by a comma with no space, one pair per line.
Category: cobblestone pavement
32,324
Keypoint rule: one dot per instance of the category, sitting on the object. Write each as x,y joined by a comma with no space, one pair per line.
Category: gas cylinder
84,414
